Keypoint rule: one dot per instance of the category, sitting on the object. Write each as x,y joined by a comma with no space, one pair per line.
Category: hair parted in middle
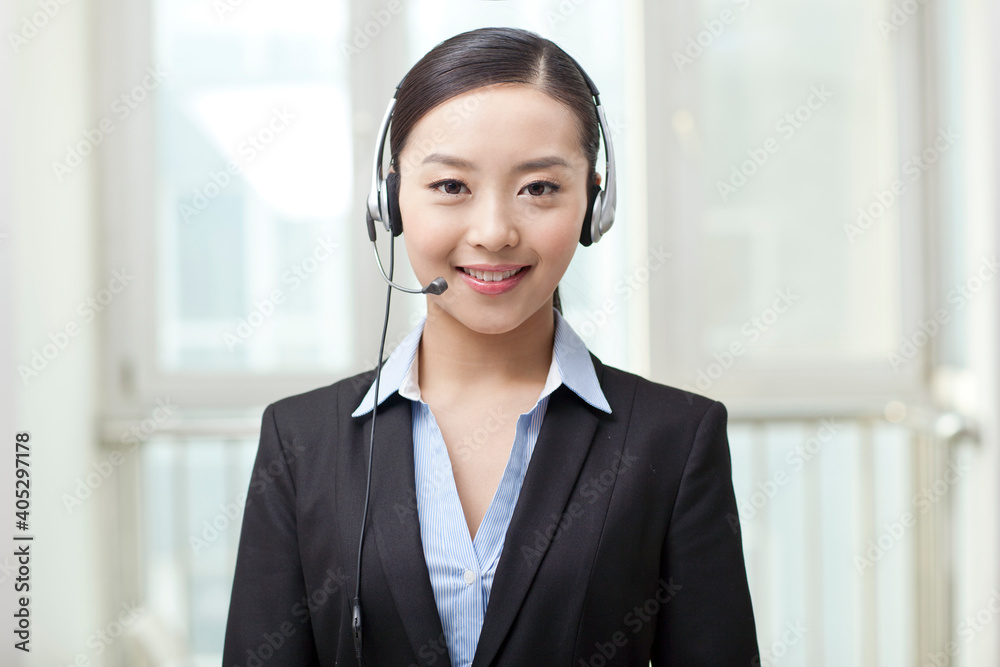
486,57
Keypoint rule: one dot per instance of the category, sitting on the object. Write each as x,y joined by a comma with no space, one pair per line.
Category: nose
493,224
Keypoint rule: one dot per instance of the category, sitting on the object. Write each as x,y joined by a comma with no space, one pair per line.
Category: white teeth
491,276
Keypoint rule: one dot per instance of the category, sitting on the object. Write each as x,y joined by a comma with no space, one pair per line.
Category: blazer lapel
394,523
563,442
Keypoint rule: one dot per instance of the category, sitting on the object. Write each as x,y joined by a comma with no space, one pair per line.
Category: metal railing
844,522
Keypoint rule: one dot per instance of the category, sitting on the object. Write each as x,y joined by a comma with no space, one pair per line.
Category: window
253,156
769,250
257,161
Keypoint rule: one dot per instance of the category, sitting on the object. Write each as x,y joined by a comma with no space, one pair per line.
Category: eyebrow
530,165
450,161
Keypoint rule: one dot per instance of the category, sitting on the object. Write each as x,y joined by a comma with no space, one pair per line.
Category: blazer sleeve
709,620
268,615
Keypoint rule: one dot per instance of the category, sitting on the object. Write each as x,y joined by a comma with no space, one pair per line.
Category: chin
493,319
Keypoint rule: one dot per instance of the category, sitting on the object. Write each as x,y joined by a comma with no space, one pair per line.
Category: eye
449,187
541,188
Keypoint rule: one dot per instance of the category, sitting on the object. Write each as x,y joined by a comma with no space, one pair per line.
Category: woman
528,504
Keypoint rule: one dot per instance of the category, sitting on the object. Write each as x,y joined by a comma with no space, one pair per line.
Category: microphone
436,286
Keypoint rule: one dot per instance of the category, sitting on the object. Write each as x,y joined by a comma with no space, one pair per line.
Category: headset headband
598,221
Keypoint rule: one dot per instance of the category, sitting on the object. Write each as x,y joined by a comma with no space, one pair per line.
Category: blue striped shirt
461,568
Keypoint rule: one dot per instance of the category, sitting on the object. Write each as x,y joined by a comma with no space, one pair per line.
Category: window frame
129,194
753,389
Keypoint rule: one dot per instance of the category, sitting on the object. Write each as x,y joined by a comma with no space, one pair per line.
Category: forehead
497,125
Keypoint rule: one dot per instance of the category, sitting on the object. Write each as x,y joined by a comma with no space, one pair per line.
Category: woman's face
493,192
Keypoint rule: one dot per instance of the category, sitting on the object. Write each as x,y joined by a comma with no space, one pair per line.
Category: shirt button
469,576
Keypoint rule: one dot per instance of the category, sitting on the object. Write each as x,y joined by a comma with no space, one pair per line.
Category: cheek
559,240
428,241
565,231
417,232
423,245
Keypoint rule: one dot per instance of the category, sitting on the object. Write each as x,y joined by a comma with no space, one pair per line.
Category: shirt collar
571,365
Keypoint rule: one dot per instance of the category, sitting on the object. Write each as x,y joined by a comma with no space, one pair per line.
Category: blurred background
807,230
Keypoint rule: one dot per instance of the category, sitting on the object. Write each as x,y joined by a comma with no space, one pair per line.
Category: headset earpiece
593,212
392,201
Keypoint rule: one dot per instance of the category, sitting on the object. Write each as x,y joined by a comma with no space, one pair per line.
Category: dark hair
489,56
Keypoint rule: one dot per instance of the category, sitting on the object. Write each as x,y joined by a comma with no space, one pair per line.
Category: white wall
52,252
7,379
978,560
51,259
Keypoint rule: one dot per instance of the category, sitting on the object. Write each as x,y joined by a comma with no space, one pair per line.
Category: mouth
492,276
492,279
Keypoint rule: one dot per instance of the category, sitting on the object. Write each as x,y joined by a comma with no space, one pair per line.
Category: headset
383,198
383,207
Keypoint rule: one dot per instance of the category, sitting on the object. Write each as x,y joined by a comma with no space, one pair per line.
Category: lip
493,288
497,268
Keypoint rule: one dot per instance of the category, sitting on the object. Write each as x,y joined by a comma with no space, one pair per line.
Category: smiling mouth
492,276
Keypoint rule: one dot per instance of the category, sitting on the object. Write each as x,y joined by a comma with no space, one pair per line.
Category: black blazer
624,546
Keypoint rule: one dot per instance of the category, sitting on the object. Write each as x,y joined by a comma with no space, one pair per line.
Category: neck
453,358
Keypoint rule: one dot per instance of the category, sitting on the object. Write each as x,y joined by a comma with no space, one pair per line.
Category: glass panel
798,133
253,157
193,496
897,505
808,538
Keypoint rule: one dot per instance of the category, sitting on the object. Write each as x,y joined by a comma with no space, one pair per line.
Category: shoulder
660,413
633,392
323,405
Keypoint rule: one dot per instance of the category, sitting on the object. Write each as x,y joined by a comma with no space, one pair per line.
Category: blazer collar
562,446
